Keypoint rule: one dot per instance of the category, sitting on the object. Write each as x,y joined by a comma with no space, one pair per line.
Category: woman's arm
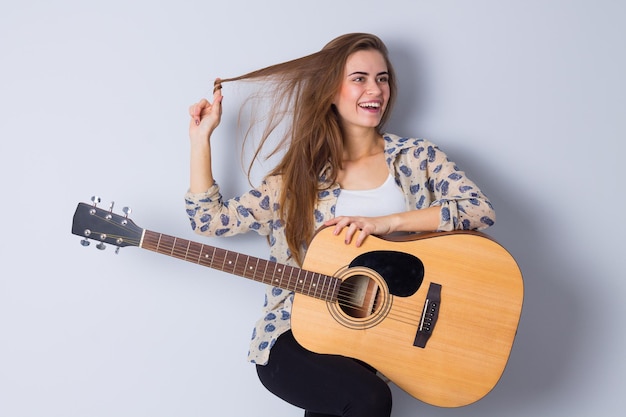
424,220
447,200
205,117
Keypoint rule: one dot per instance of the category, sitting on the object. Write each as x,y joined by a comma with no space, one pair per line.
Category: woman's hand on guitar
360,227
206,116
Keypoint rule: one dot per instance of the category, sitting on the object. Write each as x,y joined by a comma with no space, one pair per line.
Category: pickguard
403,272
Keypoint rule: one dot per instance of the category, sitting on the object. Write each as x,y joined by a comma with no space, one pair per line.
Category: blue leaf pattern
487,220
265,203
244,212
445,213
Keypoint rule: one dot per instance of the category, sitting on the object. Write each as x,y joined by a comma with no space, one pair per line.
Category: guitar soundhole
363,300
360,296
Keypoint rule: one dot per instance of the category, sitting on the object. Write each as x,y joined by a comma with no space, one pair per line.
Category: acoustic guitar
435,313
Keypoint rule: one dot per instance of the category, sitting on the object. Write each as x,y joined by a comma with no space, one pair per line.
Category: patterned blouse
419,167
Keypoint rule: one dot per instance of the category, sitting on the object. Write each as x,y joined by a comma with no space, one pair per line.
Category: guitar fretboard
287,277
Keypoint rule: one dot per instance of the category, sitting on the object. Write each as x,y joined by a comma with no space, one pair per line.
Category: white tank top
381,201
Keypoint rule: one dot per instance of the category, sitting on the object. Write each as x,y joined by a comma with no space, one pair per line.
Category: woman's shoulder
395,143
271,185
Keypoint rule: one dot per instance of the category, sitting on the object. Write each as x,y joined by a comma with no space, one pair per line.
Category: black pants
324,385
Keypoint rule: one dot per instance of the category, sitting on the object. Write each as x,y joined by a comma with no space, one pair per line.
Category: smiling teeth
371,105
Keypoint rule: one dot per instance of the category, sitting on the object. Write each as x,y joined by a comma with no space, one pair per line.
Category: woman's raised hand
206,116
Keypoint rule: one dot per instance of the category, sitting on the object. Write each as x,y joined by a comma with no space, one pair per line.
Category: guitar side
481,301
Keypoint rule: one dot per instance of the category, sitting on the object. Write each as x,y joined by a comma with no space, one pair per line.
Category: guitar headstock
97,224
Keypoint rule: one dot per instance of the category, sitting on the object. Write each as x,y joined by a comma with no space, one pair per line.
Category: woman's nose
373,88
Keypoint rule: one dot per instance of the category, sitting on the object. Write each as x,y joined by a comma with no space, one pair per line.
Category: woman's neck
361,145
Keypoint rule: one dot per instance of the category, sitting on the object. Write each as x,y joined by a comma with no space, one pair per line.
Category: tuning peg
85,242
109,215
117,250
95,200
127,211
101,246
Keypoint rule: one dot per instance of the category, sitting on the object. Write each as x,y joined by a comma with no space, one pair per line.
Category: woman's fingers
361,227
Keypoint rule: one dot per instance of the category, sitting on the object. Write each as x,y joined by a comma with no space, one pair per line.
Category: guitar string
345,294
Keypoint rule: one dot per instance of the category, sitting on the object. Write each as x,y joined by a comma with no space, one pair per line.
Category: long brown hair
305,88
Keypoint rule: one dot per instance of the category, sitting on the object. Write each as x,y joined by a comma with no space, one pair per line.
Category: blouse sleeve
255,211
442,183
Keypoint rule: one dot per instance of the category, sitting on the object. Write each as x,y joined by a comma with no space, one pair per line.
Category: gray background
527,97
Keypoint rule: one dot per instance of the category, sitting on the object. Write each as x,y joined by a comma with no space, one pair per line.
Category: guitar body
481,295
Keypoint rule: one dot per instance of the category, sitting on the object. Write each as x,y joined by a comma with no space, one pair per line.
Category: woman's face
364,92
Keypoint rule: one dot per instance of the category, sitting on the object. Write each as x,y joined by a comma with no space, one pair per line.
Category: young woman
338,170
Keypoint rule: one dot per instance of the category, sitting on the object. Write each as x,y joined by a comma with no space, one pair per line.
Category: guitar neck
287,277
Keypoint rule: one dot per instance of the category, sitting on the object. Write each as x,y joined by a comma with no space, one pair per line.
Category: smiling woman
338,99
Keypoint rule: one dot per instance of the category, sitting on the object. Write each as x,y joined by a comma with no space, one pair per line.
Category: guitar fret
276,280
236,262
300,281
173,246
173,251
335,289
223,262
294,286
244,265
313,284
303,283
200,254
323,287
317,285
229,263
265,272
256,268
201,259
187,249
306,282
297,281
213,255
282,278
285,282
312,287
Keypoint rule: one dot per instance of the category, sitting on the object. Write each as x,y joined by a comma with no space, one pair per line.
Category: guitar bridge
430,313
